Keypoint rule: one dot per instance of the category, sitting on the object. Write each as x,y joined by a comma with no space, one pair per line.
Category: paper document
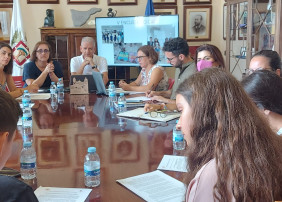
141,114
155,186
56,194
137,99
174,163
38,96
120,90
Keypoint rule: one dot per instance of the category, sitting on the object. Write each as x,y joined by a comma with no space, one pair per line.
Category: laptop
97,78
91,84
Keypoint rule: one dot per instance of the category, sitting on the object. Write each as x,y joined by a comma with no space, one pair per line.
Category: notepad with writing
140,114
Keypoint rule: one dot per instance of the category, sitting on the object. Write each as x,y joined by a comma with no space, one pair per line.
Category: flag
149,8
18,40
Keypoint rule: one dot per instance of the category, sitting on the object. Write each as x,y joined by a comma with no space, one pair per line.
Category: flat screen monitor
119,38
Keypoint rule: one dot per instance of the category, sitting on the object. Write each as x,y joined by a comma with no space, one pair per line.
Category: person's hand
152,107
122,84
89,60
33,88
49,68
150,93
159,99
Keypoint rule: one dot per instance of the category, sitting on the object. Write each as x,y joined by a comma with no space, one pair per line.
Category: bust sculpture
49,19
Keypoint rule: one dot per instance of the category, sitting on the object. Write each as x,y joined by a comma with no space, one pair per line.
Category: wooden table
126,147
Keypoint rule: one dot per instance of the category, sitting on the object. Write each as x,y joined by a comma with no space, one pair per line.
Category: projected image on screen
119,38
126,53
112,34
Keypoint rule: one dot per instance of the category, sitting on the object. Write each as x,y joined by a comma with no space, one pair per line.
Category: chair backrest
18,81
170,83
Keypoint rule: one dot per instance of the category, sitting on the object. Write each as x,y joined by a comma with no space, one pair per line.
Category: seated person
265,59
6,69
151,77
208,55
262,87
88,61
232,152
42,70
11,189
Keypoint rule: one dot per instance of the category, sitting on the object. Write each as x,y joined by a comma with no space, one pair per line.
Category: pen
149,91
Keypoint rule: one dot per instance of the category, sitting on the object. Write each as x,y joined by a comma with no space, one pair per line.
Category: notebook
91,84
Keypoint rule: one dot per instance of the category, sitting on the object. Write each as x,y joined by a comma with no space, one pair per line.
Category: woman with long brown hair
232,151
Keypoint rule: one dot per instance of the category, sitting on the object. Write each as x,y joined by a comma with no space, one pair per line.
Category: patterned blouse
145,79
3,87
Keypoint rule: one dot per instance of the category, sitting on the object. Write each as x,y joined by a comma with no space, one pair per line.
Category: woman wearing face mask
207,56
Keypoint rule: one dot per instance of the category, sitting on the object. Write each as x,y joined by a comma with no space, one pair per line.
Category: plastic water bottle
53,90
112,93
54,103
121,103
92,168
28,161
26,98
60,89
178,139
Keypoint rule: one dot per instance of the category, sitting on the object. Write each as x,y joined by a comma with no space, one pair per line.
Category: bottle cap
176,121
60,79
53,83
111,82
121,94
27,144
91,149
25,91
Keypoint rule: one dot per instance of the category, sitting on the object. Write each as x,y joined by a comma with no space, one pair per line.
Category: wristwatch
94,66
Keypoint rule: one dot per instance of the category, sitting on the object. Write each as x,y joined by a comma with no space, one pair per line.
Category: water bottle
28,161
60,89
112,94
26,98
121,103
92,168
54,104
53,90
178,139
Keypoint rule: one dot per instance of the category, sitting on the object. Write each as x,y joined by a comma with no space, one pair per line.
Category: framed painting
233,15
171,2
82,1
197,23
165,10
122,2
197,1
6,12
43,1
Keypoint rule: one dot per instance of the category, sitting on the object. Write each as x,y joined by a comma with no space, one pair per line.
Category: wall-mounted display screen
119,38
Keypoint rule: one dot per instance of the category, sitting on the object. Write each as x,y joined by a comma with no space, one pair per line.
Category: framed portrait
165,10
233,16
197,1
242,19
43,1
83,141
125,148
197,23
82,1
122,2
171,2
6,12
52,151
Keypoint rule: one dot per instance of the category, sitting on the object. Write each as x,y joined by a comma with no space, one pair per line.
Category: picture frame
197,1
197,23
5,33
121,2
165,10
125,148
82,1
43,1
242,20
168,2
6,1
233,17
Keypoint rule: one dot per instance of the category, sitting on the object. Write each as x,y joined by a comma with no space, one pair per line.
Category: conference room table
127,147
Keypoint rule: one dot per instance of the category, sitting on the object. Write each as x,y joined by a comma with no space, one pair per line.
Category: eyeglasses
162,113
40,51
170,59
250,71
140,57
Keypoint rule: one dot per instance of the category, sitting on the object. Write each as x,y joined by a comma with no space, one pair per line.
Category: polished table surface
127,147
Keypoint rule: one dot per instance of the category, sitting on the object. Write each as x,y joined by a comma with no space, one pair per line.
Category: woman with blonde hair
232,152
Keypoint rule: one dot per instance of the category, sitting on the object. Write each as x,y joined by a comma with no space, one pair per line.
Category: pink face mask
203,64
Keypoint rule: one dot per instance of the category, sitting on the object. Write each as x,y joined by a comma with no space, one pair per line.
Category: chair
170,83
18,81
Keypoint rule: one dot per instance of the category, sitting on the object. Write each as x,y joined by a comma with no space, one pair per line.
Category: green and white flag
18,40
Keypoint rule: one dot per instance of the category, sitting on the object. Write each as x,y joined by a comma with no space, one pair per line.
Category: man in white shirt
88,61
